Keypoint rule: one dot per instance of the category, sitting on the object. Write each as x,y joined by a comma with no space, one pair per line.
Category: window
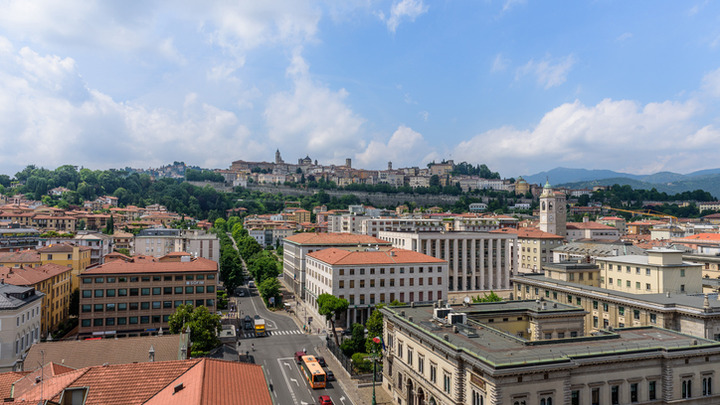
647,286
86,308
156,290
145,319
682,287
189,289
707,386
110,293
122,292
410,356
634,391
621,310
682,272
653,318
156,304
687,388
595,396
595,305
134,292
615,394
546,401
99,279
178,290
145,305
145,291
605,307
477,399
433,373
595,321
86,293
575,397
99,293
447,386
636,314
652,390
421,364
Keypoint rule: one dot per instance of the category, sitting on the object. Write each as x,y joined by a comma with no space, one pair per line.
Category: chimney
151,352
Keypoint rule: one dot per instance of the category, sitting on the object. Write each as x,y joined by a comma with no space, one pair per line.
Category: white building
158,242
19,323
367,278
591,230
373,226
477,261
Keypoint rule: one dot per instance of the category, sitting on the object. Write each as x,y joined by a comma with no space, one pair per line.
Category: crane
647,212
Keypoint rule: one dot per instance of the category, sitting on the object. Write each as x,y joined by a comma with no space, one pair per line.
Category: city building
615,222
591,230
12,239
25,258
20,310
296,248
482,355
373,226
659,271
477,261
53,281
159,242
137,297
368,278
67,254
534,247
589,250
100,244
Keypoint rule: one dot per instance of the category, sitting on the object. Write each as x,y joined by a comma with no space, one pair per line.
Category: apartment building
12,239
534,247
660,271
591,230
477,261
159,242
368,278
54,281
589,250
20,310
100,244
67,254
137,297
298,246
373,226
437,355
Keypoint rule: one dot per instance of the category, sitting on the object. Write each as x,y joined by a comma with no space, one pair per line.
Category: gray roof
12,296
503,351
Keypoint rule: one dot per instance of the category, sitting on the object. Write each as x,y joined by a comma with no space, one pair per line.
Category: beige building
477,261
534,247
297,247
591,230
661,271
460,357
369,278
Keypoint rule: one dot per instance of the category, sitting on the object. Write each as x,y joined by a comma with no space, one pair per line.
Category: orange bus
313,372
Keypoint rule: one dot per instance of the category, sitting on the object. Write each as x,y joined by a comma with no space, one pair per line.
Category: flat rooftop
502,350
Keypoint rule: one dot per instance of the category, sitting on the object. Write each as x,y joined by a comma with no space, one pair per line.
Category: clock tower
553,213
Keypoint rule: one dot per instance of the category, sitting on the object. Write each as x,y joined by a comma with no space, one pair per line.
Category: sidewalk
358,395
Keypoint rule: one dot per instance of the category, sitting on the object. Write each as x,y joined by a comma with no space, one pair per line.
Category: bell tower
553,214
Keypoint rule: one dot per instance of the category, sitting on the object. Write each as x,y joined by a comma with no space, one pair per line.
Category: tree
492,297
332,307
110,226
204,327
270,288
356,343
220,225
374,326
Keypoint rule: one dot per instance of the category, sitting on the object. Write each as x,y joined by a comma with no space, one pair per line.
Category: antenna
467,299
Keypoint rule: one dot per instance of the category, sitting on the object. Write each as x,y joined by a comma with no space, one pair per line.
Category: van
251,284
298,356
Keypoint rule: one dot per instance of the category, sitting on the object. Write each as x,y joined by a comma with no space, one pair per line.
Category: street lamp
375,357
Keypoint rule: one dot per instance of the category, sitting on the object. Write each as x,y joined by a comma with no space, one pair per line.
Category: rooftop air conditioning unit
457,318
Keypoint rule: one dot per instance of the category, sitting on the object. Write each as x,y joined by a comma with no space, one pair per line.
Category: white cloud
403,10
49,117
508,4
405,147
624,36
711,83
548,72
312,119
499,64
618,135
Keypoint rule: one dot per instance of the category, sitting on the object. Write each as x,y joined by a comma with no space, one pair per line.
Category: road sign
310,319
272,300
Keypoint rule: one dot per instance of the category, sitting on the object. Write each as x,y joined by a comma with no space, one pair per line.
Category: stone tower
553,213
278,158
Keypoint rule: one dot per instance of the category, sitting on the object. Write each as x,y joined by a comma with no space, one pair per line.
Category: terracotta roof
335,256
7,380
86,353
62,247
315,238
714,237
612,219
146,266
527,232
30,276
22,256
191,382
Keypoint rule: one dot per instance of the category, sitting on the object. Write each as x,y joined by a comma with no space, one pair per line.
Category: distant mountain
560,175
669,182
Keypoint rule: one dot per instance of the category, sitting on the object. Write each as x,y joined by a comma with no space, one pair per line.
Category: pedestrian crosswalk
248,335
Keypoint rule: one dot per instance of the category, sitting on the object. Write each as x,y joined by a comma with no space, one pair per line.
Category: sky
522,86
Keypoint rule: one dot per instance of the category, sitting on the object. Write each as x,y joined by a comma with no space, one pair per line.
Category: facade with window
660,271
474,363
137,297
477,261
368,278
697,314
296,247
533,248
20,314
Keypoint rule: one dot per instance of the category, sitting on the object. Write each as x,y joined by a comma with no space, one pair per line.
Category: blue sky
522,86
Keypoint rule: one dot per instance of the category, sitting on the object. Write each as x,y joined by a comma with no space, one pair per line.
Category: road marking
295,381
282,361
342,399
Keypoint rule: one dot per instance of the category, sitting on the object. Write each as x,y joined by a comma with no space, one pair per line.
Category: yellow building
51,279
521,186
661,271
66,254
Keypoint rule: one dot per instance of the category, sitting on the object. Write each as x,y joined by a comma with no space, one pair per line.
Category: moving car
330,375
325,400
321,361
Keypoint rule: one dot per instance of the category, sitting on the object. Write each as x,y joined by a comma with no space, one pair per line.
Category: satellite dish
467,299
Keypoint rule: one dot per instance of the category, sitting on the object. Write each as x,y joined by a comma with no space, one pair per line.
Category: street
276,350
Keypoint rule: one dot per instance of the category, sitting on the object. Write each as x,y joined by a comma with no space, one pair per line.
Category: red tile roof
62,247
308,238
714,237
335,256
589,225
527,232
29,276
138,265
22,256
7,380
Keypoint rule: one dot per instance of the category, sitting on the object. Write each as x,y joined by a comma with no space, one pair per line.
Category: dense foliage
468,169
203,175
332,307
204,327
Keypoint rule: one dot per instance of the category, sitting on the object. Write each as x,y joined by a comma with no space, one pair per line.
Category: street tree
204,327
270,288
332,307
374,326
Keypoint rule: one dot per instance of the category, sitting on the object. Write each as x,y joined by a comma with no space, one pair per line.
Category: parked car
241,293
330,375
325,400
321,361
